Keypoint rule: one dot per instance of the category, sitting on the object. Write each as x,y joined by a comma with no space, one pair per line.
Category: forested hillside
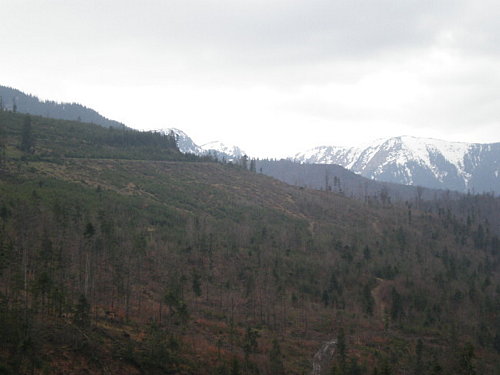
17,101
120,255
331,177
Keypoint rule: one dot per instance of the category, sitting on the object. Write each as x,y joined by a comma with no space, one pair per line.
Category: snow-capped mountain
223,151
184,142
418,161
217,149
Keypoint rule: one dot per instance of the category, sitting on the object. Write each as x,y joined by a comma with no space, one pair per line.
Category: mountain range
217,149
320,176
405,160
425,162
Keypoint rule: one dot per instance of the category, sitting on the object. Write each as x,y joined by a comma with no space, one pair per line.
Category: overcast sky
273,77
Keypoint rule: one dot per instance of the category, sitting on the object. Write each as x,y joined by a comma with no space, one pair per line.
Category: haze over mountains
406,160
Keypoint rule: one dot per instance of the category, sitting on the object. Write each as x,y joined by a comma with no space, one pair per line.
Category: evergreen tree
82,312
496,343
2,144
178,308
466,360
196,284
368,302
418,357
250,342
354,367
253,166
89,230
435,367
341,351
27,142
367,253
235,366
276,360
385,369
244,161
325,298
397,305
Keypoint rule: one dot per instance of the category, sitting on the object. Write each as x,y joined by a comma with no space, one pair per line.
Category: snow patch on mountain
222,150
216,149
414,161
184,142
421,149
398,151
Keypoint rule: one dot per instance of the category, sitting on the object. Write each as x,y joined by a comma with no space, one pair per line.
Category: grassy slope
264,254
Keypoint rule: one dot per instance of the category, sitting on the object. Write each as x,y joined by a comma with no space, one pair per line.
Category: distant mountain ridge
13,99
425,162
404,160
335,178
219,150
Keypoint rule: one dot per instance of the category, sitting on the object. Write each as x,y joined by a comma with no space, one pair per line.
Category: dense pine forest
121,255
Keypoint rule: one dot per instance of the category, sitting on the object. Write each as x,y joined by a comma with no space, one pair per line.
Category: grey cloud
238,34
277,32
268,32
282,45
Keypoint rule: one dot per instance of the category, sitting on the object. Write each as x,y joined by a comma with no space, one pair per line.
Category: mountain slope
116,259
185,144
333,177
24,103
418,161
